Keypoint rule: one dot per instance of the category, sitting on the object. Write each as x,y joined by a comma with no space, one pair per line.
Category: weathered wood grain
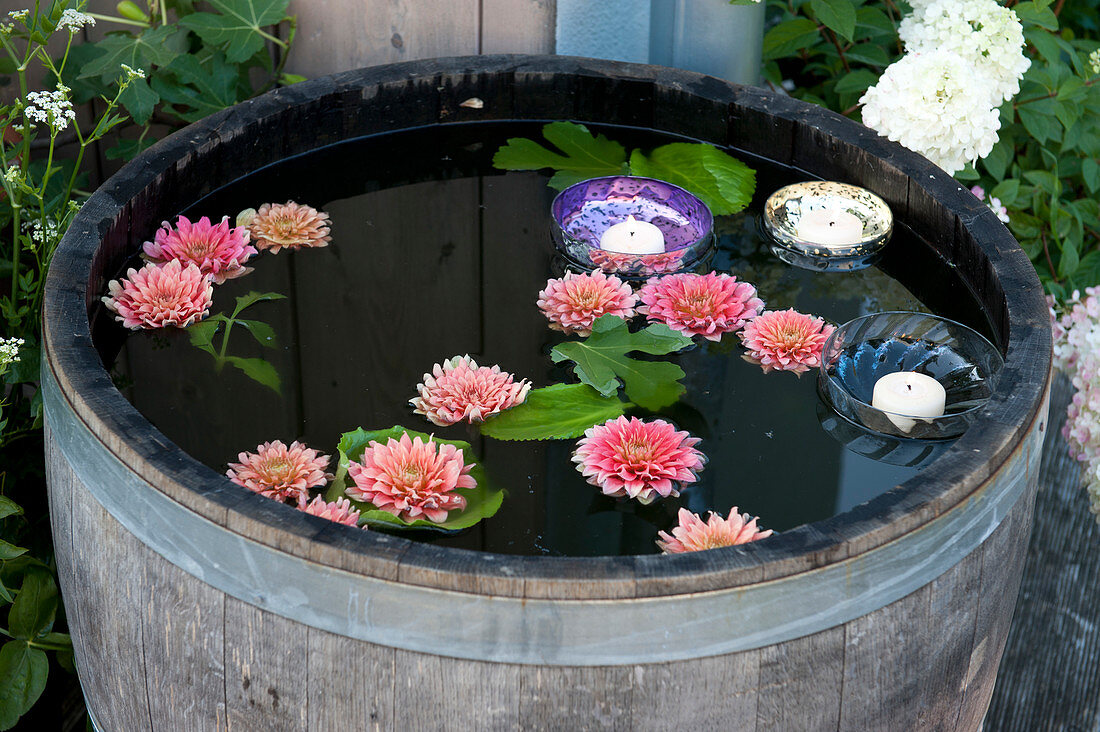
801,683
336,35
709,693
266,662
562,697
495,686
183,629
517,26
350,685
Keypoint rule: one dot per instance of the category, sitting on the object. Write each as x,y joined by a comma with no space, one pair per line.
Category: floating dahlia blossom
694,535
281,472
785,340
157,297
934,104
459,390
707,305
339,510
287,225
573,302
216,249
411,479
987,35
643,460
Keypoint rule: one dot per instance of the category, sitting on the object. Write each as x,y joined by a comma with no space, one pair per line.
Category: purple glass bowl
584,211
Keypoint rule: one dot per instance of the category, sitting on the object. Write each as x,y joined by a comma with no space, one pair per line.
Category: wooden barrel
195,604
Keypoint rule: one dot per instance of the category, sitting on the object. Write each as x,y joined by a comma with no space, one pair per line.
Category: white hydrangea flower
1093,490
52,108
9,352
74,20
989,36
934,104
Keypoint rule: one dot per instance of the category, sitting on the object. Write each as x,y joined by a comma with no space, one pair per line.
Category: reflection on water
436,254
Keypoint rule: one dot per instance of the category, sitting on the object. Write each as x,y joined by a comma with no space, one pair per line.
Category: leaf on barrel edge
482,501
585,155
601,361
558,412
723,182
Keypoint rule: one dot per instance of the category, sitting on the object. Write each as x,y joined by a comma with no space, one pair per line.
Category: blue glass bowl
584,211
865,349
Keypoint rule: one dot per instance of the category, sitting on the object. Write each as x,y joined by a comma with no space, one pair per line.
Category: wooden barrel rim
371,100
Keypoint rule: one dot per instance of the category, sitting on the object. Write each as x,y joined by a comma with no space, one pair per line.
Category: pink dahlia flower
707,305
157,297
638,459
459,389
288,226
694,535
785,340
573,302
411,479
216,249
339,510
281,472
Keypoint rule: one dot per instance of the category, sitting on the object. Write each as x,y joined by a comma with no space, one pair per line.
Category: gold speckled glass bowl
784,209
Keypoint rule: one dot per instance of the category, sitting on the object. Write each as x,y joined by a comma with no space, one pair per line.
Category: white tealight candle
633,237
830,227
908,393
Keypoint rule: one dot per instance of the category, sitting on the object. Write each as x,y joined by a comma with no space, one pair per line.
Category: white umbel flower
9,352
50,107
934,104
74,20
988,36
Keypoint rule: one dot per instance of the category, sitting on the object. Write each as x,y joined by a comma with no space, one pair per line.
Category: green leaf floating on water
557,412
482,501
723,182
585,155
600,361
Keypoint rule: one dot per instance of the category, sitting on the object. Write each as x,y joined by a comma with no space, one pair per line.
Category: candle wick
909,387
832,223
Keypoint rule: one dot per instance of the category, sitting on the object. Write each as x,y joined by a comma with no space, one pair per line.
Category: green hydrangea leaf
583,155
235,27
23,672
838,15
35,607
558,412
601,361
723,182
482,501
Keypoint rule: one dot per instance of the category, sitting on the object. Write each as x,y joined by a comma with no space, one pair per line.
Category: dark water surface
437,254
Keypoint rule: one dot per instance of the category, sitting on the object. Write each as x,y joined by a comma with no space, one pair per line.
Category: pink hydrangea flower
281,472
287,225
216,249
459,389
339,510
707,305
158,297
693,534
573,302
643,460
785,340
411,479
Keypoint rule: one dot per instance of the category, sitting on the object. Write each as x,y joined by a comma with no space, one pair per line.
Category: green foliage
557,412
482,501
205,61
203,333
601,361
1044,168
723,182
